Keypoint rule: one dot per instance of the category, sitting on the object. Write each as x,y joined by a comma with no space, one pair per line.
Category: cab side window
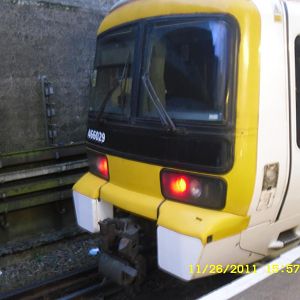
297,71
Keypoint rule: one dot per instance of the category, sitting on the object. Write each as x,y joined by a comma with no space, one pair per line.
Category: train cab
193,135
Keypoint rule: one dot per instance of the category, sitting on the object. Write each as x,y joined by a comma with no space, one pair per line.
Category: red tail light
193,189
102,166
176,186
98,164
179,185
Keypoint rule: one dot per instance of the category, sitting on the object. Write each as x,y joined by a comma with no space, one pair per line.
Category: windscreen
112,77
164,91
187,68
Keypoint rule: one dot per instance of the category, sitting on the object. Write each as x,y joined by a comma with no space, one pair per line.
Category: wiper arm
124,79
107,97
165,118
116,85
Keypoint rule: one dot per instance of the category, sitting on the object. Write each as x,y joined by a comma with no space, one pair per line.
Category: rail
72,285
33,178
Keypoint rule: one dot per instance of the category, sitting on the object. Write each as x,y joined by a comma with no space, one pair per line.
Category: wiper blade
118,83
106,99
165,118
124,81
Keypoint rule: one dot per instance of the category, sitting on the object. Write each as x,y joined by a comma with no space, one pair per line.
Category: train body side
275,214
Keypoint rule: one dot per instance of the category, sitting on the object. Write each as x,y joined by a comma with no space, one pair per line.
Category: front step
288,237
285,238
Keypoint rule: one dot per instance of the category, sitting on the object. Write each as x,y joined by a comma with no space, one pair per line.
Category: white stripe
239,285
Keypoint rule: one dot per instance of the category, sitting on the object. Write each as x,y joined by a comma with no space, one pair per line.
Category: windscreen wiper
124,81
165,118
107,97
118,83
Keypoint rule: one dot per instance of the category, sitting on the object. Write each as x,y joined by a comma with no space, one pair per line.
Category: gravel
49,261
46,262
22,244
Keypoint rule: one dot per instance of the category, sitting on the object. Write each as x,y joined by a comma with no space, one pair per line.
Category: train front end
172,136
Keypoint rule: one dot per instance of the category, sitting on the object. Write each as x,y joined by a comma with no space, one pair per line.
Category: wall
52,38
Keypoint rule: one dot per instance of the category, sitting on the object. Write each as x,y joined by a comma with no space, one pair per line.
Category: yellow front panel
133,186
199,222
89,185
241,178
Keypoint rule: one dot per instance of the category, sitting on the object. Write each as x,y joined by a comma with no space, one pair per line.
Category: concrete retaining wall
52,38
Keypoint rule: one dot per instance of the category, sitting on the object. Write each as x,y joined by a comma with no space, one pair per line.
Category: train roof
123,2
125,11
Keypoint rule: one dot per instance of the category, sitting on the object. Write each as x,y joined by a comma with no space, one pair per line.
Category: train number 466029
96,135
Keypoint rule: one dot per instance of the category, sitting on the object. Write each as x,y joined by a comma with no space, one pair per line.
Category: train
193,136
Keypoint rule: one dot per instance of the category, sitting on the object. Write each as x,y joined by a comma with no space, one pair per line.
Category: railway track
37,178
41,176
74,285
34,182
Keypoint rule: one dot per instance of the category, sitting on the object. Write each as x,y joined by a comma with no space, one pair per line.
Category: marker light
179,185
102,166
98,164
193,189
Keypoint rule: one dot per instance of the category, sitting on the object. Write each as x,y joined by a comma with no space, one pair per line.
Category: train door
291,206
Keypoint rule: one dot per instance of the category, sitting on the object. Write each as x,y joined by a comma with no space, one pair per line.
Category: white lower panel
224,252
176,252
90,211
187,258
258,238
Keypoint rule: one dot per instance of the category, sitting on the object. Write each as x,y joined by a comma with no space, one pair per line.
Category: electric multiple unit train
193,135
